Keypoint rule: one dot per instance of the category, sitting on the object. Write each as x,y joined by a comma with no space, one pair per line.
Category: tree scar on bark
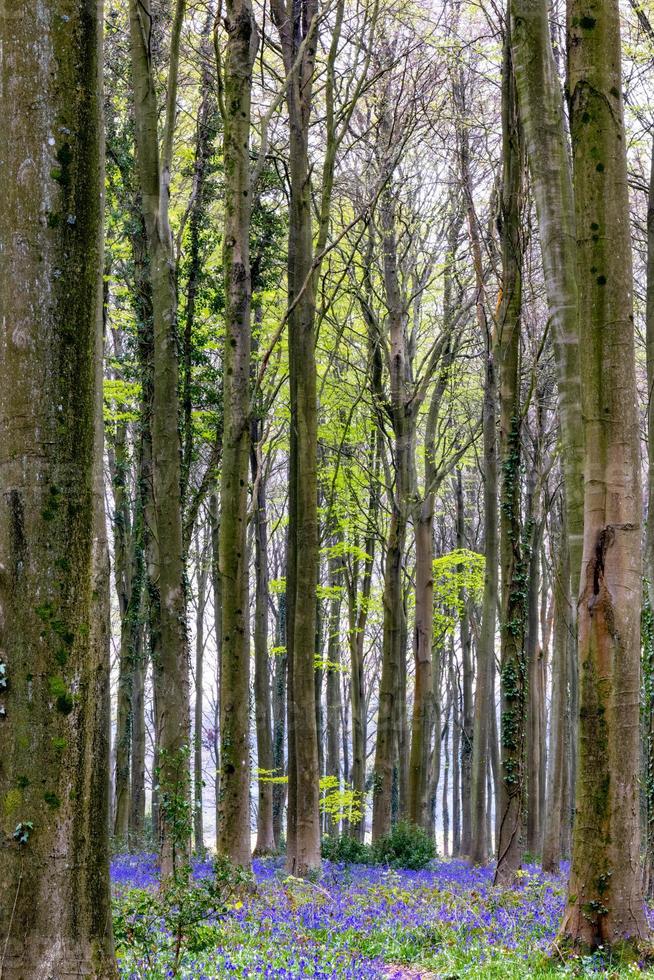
604,541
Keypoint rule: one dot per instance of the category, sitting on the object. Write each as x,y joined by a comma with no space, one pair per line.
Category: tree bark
262,702
234,808
540,103
334,696
467,713
513,562
55,915
297,27
605,900
169,642
554,812
198,712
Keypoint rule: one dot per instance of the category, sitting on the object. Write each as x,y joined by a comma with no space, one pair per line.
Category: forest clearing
326,489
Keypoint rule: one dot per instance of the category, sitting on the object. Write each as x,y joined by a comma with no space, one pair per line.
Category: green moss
60,692
57,686
12,801
52,800
45,612
65,704
59,744
61,656
23,782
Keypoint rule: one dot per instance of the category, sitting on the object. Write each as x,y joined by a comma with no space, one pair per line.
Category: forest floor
354,923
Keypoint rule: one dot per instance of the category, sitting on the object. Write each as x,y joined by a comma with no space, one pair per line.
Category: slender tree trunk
535,680
514,564
55,917
357,620
198,713
483,703
467,715
605,900
446,780
456,755
303,839
649,538
262,703
555,815
169,645
118,455
423,699
137,792
216,585
279,721
390,713
334,696
387,716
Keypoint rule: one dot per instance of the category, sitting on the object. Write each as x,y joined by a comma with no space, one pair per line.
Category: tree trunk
137,790
216,586
198,713
297,36
554,812
390,712
55,917
169,644
483,703
535,679
279,721
456,756
118,456
605,900
649,537
467,714
541,112
262,704
234,809
334,697
514,564
423,699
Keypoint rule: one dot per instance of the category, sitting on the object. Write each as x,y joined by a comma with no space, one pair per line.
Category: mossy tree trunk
605,901
234,809
262,700
297,25
54,689
166,579
514,562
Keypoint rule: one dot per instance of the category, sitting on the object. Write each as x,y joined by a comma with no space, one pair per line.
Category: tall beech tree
168,641
605,902
234,805
513,562
54,664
